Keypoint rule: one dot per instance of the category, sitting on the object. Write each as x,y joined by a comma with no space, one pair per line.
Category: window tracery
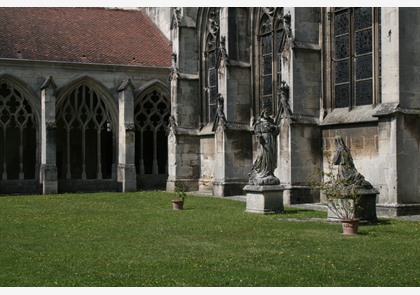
17,135
356,58
151,118
84,136
271,39
212,52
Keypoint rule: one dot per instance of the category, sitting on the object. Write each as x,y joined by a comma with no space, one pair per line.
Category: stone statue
346,168
266,132
220,118
283,106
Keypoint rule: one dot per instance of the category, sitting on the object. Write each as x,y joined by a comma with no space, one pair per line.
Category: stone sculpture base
264,199
366,204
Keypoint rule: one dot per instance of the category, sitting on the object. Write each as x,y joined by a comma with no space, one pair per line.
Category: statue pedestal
366,207
264,199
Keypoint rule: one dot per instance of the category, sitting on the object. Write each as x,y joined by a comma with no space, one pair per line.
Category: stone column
233,137
126,173
48,171
299,140
398,113
183,142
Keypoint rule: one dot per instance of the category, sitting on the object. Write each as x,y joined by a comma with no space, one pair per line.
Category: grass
136,239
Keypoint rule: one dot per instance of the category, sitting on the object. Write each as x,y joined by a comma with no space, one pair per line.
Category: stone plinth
264,199
366,207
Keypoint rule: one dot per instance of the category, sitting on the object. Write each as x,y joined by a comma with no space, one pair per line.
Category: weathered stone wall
409,160
238,89
363,141
162,17
409,57
207,161
184,163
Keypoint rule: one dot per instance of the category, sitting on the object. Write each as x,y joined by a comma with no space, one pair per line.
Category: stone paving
321,207
316,207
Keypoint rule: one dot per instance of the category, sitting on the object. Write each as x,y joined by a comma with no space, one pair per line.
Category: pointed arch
19,130
87,121
153,85
26,91
152,109
268,44
99,88
209,36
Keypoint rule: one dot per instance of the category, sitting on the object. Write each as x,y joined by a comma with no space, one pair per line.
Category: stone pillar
48,171
299,150
398,113
183,142
233,137
126,172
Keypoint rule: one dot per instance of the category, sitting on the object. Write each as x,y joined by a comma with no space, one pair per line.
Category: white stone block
265,199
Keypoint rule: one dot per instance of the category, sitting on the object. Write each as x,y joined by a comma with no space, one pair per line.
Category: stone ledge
359,114
263,188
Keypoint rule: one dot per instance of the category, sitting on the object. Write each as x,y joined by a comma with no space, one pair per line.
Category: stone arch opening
19,122
85,134
151,118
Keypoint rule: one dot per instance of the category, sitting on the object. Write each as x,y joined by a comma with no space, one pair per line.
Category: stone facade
379,124
228,64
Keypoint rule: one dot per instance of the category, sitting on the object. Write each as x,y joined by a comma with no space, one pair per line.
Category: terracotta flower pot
350,226
178,204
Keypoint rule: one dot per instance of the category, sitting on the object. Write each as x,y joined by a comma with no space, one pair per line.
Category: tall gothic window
271,42
212,52
356,57
17,135
84,136
151,116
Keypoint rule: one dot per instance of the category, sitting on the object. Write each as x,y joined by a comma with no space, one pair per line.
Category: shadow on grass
378,222
295,211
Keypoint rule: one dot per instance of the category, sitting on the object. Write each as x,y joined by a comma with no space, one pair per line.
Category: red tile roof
85,35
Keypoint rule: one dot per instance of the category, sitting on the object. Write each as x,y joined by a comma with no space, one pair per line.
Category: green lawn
136,239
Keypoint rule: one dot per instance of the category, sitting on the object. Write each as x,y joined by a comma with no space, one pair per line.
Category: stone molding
126,84
48,83
387,109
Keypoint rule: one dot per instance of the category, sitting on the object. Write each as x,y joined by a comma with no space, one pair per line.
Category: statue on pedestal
266,132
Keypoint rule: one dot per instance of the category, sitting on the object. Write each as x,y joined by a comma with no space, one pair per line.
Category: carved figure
266,131
171,125
176,17
174,70
220,119
346,168
283,106
287,19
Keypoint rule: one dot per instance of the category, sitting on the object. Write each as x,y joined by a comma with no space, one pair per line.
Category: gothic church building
107,99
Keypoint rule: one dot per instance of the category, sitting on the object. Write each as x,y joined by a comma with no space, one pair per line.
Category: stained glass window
271,42
354,59
213,44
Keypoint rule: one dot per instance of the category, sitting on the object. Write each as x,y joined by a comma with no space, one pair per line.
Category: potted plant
347,190
178,202
343,200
